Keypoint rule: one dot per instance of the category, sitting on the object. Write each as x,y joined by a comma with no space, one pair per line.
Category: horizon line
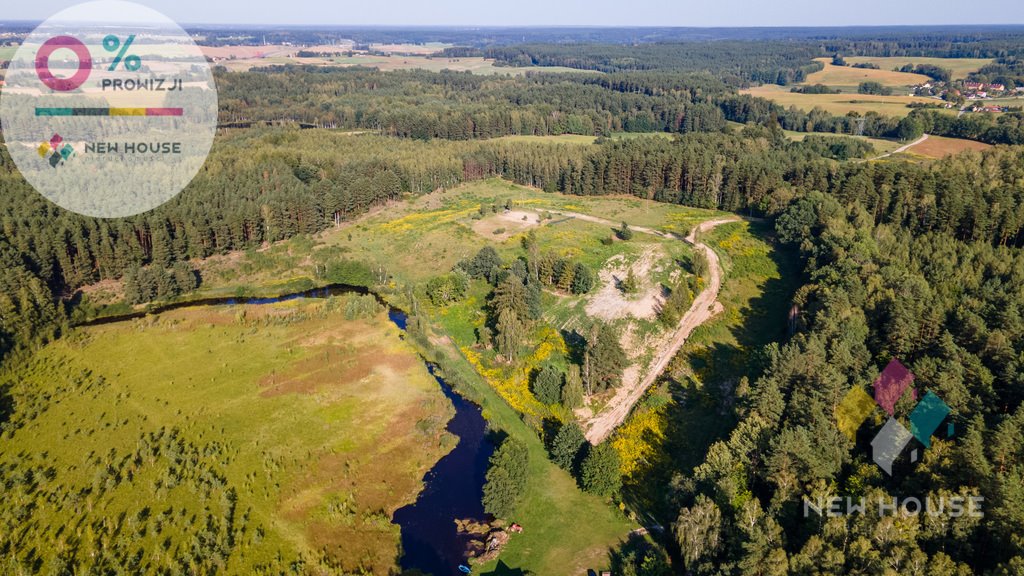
577,26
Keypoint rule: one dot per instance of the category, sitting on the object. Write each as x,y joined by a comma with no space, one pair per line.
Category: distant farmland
842,76
940,147
960,67
839,104
242,58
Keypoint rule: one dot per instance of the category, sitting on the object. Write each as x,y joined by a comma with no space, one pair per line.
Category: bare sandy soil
512,222
598,427
610,303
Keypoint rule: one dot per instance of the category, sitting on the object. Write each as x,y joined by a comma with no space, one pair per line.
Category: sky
699,13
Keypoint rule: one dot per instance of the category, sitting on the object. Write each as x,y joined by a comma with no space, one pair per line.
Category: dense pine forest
910,259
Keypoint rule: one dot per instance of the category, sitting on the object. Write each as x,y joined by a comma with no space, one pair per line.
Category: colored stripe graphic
109,111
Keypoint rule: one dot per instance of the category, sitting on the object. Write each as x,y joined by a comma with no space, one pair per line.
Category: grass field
425,48
960,67
230,439
838,104
1012,101
627,135
939,147
436,229
7,52
848,76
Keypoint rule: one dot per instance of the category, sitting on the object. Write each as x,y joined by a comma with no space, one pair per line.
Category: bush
874,88
599,473
567,446
506,478
547,385
624,233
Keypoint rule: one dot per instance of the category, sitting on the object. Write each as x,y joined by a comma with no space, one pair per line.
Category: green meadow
243,439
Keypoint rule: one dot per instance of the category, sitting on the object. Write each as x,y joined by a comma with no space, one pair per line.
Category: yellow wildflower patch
639,440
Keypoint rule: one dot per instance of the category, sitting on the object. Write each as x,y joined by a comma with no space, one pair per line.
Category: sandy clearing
609,303
512,222
704,307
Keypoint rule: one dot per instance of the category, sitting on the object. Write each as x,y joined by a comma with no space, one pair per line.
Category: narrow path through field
704,306
903,148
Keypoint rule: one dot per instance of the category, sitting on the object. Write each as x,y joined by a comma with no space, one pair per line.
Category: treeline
461,106
734,61
1005,128
257,186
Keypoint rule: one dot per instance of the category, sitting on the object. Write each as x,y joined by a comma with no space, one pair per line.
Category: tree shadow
503,569
6,404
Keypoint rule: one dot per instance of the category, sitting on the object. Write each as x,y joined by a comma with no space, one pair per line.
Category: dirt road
704,306
903,148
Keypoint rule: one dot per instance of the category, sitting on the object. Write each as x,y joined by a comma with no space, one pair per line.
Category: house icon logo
56,151
893,440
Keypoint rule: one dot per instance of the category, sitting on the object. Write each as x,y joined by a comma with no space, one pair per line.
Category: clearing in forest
940,146
839,104
847,76
958,67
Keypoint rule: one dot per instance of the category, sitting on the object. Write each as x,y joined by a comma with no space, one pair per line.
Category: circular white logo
109,109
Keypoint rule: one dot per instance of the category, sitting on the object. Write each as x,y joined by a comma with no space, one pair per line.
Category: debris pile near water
485,540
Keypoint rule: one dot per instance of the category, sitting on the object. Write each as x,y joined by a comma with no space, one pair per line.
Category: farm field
423,49
838,103
237,439
242,58
940,147
7,52
960,67
848,76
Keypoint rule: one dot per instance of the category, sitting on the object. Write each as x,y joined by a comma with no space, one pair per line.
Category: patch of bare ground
633,386
611,303
505,224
